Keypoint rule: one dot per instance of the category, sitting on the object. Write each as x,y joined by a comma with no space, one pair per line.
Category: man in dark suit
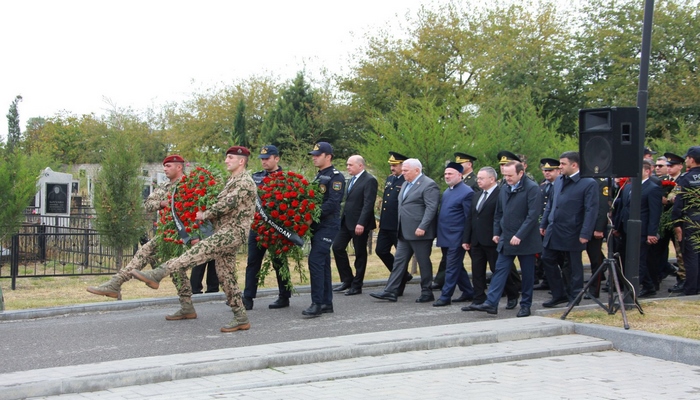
550,171
455,207
478,238
515,233
418,204
567,226
650,216
388,234
356,224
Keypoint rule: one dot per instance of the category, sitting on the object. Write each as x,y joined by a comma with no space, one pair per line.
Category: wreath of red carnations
287,205
195,192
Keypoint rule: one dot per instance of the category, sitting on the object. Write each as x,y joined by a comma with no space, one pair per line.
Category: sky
88,56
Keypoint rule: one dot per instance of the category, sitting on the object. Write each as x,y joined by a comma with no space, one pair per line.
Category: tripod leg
591,281
619,295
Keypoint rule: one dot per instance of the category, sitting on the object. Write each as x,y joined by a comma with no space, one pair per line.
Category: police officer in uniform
389,217
332,185
683,231
468,176
270,157
675,168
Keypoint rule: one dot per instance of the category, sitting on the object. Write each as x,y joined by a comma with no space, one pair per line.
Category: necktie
352,182
408,187
482,199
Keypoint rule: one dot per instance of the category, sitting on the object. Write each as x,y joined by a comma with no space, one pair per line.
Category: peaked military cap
506,156
549,164
464,157
321,147
269,151
396,158
672,159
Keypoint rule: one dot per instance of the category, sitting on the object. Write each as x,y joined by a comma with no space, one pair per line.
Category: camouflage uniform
146,254
232,217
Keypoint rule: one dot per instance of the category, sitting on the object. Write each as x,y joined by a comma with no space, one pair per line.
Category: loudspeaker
609,142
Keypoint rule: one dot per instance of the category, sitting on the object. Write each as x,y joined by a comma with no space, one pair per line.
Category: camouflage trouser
146,256
222,248
679,258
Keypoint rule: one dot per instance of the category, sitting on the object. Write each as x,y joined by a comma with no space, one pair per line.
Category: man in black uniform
269,157
332,185
550,170
684,231
675,168
389,217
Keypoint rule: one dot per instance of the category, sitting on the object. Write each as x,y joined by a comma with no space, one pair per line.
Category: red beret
238,150
173,158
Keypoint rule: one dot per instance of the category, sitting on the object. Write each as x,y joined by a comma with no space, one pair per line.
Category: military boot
111,288
240,321
152,278
186,310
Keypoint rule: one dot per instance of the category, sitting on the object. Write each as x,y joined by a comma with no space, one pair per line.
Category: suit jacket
419,209
389,217
478,227
517,214
455,207
570,213
359,203
650,211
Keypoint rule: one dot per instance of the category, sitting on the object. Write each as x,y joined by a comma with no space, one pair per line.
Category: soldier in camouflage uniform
173,167
232,217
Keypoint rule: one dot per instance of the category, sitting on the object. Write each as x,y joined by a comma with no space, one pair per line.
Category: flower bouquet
195,192
287,204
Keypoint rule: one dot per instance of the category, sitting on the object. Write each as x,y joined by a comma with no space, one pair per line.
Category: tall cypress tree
240,137
13,129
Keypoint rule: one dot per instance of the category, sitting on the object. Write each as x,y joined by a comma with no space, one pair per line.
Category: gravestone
54,196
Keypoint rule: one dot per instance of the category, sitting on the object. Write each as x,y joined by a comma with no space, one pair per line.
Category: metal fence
53,250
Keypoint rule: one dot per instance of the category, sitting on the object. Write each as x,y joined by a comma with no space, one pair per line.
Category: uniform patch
322,188
606,191
337,186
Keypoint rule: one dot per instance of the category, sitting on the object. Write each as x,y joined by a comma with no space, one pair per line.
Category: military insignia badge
322,188
606,191
337,186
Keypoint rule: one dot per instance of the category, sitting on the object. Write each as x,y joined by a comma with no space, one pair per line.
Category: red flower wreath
195,192
286,206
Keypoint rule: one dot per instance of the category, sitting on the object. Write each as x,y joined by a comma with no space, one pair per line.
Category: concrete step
460,340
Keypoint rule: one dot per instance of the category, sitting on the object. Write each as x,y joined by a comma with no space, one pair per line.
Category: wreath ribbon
291,236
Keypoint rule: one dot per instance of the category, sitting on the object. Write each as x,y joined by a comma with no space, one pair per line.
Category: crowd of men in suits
546,226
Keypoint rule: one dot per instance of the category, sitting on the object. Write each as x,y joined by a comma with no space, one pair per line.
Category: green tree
19,174
293,122
14,133
118,201
240,135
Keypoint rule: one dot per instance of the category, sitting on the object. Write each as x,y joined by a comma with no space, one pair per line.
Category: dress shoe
408,278
435,286
442,303
541,286
486,307
314,310
281,302
524,312
327,308
511,303
678,287
342,287
425,298
384,296
353,291
555,302
471,306
463,298
247,303
647,292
